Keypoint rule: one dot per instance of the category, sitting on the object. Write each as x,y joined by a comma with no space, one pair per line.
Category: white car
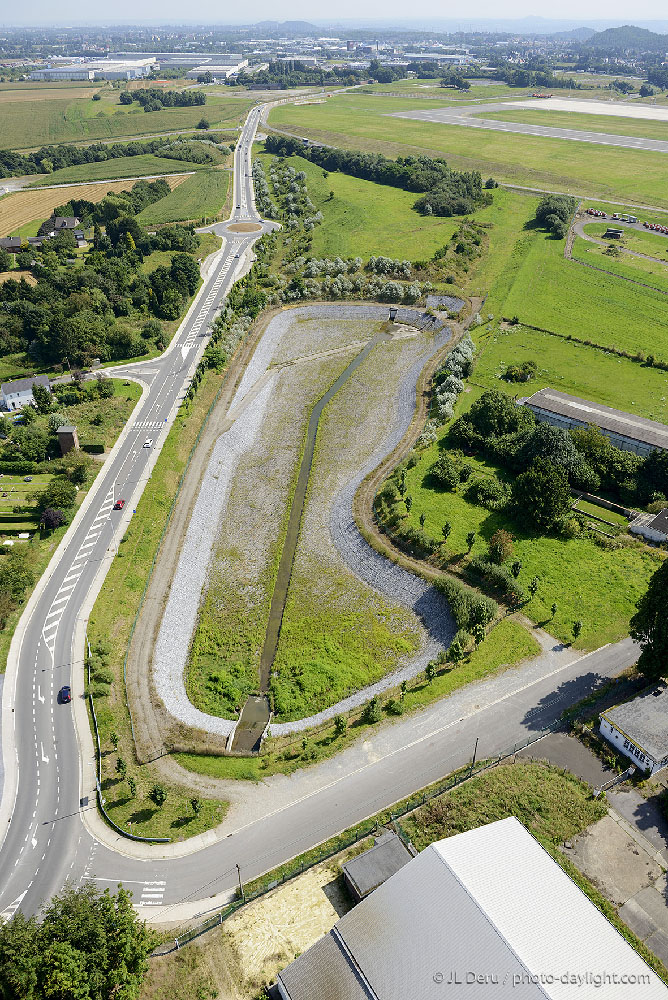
148,443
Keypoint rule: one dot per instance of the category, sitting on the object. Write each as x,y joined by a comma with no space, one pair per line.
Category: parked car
119,505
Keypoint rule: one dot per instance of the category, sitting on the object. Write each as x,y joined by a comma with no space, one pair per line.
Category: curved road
43,829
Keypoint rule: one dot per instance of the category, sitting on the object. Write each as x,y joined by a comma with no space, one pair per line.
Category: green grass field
644,128
546,290
643,241
365,218
27,124
358,121
124,166
572,368
202,195
598,587
625,266
15,491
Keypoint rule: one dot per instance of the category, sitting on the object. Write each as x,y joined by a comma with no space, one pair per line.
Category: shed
638,728
613,234
367,871
67,438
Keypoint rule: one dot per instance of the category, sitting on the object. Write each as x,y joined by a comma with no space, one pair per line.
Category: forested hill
628,38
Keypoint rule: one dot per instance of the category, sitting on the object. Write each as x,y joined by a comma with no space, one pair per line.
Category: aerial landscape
333,502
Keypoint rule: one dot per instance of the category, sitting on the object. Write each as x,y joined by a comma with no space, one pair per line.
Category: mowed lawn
358,121
644,128
588,583
548,291
633,268
202,195
641,241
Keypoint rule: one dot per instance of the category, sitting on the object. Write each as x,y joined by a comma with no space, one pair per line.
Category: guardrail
341,843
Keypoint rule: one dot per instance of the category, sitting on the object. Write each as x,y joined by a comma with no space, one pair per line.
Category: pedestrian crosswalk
59,603
152,893
147,425
209,300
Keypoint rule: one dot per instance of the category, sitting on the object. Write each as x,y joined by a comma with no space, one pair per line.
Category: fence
349,838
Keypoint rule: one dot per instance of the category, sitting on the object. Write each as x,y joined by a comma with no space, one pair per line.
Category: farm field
22,207
572,368
27,124
202,195
625,266
588,583
609,124
357,121
123,166
12,93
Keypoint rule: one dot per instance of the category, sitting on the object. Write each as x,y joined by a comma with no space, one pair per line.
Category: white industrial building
638,729
217,71
486,913
17,394
625,430
102,69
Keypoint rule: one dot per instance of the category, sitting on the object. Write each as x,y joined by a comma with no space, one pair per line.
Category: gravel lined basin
418,608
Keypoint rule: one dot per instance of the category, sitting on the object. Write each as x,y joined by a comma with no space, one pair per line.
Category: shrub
468,608
488,492
372,711
496,578
500,546
445,472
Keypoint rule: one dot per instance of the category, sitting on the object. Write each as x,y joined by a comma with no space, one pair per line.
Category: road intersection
49,828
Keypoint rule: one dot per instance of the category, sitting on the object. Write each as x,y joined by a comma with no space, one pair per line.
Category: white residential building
15,395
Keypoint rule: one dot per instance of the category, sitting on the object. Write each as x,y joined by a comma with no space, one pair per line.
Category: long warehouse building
625,430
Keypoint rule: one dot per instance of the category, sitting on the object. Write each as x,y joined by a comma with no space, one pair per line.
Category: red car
119,505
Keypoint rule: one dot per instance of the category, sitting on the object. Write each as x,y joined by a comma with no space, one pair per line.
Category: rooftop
491,903
24,384
369,870
616,421
643,720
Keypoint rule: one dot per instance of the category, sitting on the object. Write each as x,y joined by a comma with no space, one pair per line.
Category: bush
372,711
500,546
488,492
445,472
496,578
468,608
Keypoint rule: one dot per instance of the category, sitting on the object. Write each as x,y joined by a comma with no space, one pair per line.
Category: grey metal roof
23,384
66,429
66,222
616,421
10,242
375,866
324,972
643,720
491,903
660,522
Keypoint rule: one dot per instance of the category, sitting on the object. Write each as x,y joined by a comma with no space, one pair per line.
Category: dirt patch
16,276
612,860
244,227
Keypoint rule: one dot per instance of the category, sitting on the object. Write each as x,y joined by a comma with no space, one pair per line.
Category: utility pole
241,888
475,751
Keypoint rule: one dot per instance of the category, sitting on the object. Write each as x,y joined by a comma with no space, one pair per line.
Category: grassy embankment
111,622
358,121
114,412
28,124
201,196
635,269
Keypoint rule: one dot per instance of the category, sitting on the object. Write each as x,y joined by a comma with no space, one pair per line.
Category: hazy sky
215,12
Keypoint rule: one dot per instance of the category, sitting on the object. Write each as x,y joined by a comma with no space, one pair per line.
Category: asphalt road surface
467,116
46,841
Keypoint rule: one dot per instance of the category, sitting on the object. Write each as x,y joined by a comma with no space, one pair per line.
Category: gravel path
180,617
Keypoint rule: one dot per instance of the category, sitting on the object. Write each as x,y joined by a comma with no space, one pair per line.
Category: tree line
447,191
49,158
154,99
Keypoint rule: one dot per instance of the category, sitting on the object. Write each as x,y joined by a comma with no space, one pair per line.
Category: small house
62,222
10,243
67,439
638,728
17,394
652,527
367,871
